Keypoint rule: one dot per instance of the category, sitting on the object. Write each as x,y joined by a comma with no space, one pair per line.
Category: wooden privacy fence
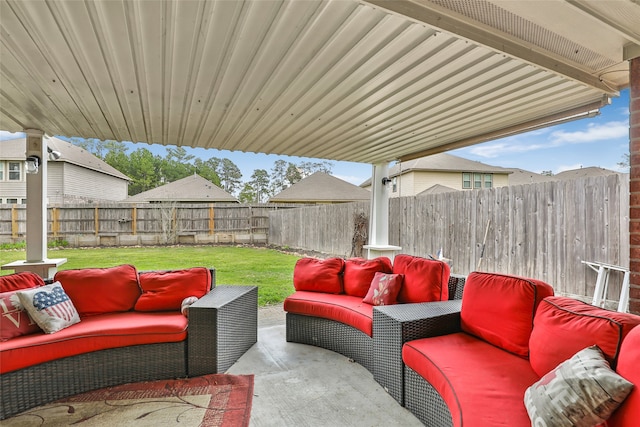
541,230
140,224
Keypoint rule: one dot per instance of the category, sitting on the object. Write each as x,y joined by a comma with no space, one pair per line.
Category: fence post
14,221
96,220
134,220
212,223
55,226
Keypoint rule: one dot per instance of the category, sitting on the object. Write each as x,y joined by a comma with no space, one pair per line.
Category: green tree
247,194
293,174
98,147
278,176
260,183
143,171
208,170
309,168
230,176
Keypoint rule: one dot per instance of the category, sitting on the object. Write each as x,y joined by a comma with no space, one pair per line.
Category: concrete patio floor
302,385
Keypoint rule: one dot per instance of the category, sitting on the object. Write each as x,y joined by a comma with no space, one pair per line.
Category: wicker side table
223,325
394,325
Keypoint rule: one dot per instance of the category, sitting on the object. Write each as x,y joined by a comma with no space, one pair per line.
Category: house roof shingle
321,187
193,188
15,149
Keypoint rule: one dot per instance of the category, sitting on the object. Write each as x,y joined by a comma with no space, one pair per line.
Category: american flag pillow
50,307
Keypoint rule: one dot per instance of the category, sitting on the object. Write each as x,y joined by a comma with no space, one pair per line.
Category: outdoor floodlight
31,164
386,180
53,155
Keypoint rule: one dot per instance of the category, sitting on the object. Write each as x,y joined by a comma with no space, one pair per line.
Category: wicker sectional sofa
513,336
327,310
131,329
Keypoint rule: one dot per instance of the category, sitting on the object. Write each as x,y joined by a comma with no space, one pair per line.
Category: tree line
147,170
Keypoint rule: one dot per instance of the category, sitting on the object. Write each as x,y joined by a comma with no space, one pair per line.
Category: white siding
415,182
55,182
86,183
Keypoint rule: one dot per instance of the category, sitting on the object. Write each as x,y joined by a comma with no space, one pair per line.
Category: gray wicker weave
222,326
423,401
394,325
332,335
360,347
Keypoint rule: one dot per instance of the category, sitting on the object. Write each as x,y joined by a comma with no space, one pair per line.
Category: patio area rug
209,400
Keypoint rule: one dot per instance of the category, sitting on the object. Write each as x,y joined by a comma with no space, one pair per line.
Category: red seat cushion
165,290
499,309
628,414
342,308
101,290
563,326
318,275
91,334
359,272
481,384
424,279
17,281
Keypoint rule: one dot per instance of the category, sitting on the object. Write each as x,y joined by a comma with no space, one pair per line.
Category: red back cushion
359,272
14,320
424,279
499,309
101,290
563,326
17,281
628,414
319,275
165,290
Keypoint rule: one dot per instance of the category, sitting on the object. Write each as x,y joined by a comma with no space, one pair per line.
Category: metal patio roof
348,80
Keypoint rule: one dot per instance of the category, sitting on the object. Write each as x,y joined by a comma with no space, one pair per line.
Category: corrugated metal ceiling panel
338,80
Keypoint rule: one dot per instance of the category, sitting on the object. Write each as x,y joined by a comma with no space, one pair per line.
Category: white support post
379,218
36,199
36,239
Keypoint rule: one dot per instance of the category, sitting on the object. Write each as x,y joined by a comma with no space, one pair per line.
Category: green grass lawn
270,270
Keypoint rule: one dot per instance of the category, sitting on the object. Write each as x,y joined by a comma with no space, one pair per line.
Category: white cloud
593,132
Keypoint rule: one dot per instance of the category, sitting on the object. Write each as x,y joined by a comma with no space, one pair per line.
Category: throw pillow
582,391
384,289
14,320
318,275
165,290
50,307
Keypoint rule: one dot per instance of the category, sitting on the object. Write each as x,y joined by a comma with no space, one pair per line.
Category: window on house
477,180
395,184
24,201
14,171
466,180
12,201
1,171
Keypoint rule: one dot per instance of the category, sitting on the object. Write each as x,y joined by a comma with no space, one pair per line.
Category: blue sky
600,141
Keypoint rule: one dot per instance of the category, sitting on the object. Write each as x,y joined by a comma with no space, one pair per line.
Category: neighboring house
321,188
590,171
521,177
192,189
415,176
76,177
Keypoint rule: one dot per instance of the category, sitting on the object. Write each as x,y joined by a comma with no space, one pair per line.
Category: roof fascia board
624,32
588,110
631,51
451,22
